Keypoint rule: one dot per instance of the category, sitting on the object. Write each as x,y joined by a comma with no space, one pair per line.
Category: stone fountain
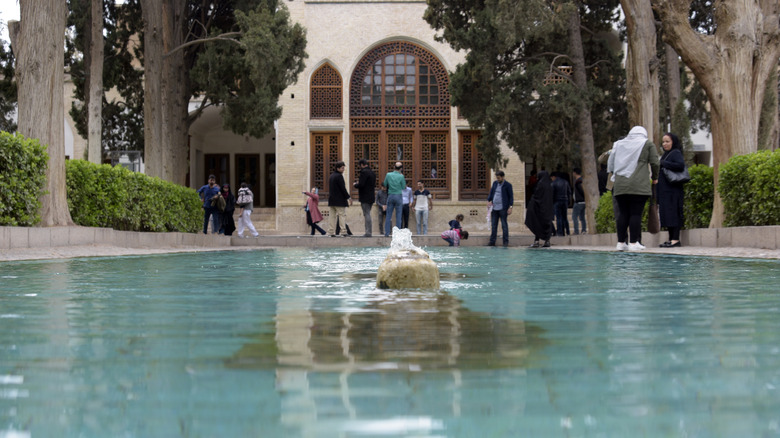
407,266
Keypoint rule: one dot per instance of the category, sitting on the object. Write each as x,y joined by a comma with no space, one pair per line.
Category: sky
9,10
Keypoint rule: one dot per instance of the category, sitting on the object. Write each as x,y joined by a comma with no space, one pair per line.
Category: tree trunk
590,182
93,56
642,86
39,46
166,90
733,66
673,81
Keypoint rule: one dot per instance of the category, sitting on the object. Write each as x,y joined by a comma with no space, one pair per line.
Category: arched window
399,109
326,93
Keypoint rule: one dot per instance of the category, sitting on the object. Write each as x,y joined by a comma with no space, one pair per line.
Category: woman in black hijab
670,195
540,214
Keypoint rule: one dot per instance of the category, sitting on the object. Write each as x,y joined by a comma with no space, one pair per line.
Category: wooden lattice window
434,160
399,85
474,171
399,99
559,76
366,145
326,93
325,151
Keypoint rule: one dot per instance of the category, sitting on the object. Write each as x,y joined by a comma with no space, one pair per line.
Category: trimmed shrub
699,193
749,186
605,215
23,165
114,197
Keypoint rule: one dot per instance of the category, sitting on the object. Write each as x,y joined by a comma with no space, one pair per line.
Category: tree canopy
516,82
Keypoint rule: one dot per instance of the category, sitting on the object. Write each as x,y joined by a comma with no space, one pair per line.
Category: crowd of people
632,170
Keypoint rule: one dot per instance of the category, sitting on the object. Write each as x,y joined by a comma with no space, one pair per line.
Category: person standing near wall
578,211
633,163
670,195
395,184
207,193
408,197
366,184
338,200
422,203
561,192
381,208
501,199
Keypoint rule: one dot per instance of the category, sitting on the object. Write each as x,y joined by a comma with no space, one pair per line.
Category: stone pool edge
33,243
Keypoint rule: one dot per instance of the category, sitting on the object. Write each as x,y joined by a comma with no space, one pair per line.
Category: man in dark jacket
366,184
500,202
338,200
561,192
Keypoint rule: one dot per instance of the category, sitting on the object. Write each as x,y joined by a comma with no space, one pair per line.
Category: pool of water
300,343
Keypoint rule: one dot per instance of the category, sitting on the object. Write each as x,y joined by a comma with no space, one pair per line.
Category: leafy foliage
114,197
123,122
698,197
7,89
23,164
757,174
514,49
605,215
268,59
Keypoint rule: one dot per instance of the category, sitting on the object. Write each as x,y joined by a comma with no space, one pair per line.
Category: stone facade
341,33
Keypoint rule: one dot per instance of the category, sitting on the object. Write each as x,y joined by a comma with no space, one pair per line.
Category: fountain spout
407,266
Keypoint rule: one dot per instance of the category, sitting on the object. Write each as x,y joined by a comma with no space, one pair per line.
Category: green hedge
749,186
699,193
114,197
23,164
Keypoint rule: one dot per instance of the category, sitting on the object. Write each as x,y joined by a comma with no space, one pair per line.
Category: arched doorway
399,110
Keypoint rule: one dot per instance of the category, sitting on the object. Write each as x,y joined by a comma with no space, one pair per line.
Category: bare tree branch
223,37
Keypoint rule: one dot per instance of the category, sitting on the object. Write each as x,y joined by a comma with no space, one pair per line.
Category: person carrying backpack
244,201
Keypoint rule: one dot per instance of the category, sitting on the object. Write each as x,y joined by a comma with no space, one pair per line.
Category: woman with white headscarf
633,163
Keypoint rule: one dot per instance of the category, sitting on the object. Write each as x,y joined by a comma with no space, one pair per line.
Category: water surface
299,342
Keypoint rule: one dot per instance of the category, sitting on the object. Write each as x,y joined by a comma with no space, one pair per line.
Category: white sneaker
635,246
622,246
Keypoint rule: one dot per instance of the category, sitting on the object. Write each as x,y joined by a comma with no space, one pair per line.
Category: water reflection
405,330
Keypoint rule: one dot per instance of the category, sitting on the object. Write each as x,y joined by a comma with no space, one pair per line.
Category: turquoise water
299,343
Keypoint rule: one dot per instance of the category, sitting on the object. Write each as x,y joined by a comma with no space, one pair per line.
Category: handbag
677,177
653,220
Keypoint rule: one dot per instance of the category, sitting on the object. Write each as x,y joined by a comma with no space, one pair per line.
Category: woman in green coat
634,166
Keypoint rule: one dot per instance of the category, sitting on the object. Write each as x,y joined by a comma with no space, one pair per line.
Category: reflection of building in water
319,355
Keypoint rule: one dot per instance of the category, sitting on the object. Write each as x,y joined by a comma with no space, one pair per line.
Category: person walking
366,184
500,201
244,200
634,165
540,213
422,202
338,200
207,193
671,195
561,194
395,184
578,211
313,214
381,208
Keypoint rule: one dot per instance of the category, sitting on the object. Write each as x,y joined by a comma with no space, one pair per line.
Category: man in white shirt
407,200
422,203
